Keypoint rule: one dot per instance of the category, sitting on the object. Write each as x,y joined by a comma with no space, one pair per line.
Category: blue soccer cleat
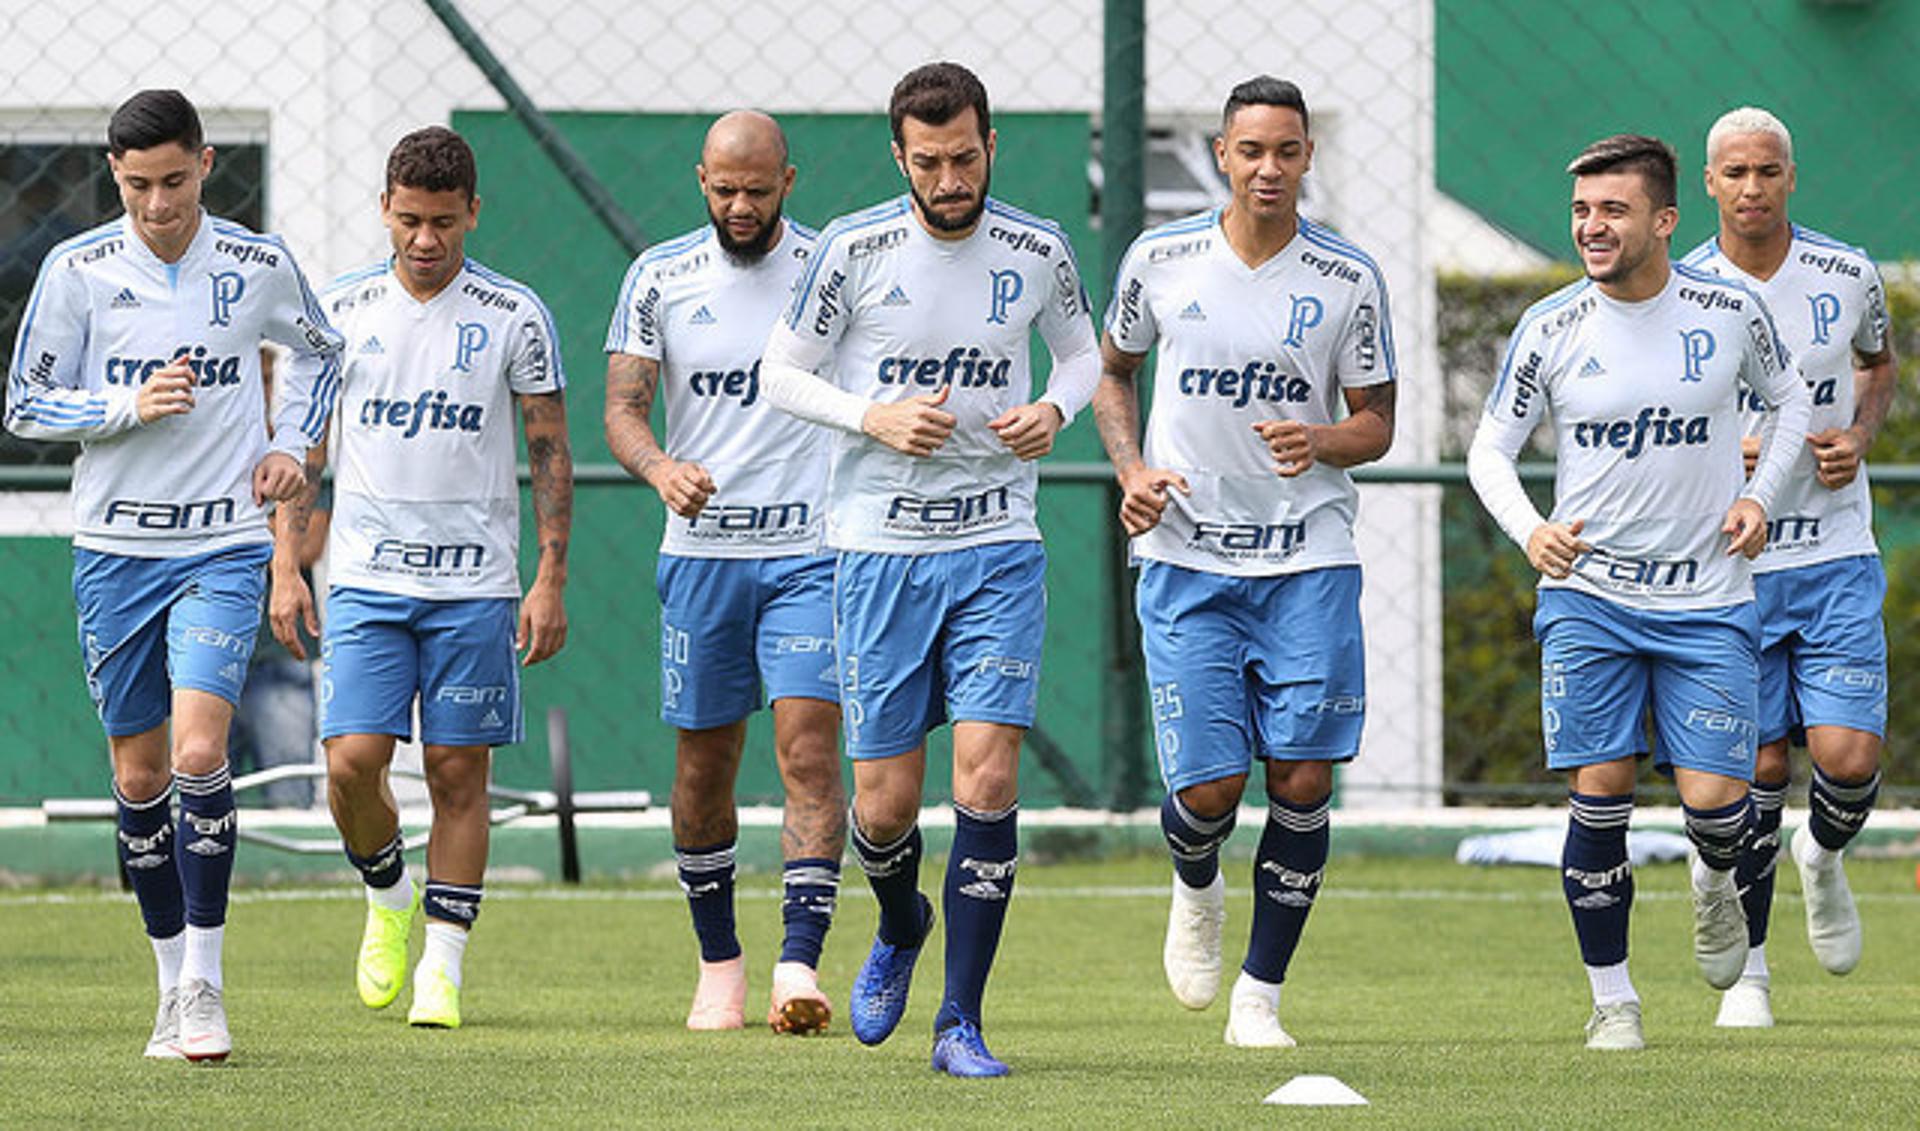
879,996
960,1050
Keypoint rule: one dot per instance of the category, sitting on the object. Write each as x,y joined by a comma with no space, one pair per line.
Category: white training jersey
705,319
904,314
1239,345
426,499
1645,400
1827,302
106,312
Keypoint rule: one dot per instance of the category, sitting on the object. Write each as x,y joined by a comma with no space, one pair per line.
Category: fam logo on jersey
534,358
1638,575
1826,311
876,243
1007,287
1306,313
439,559
769,521
1162,252
952,515
966,366
1793,532
1256,380
469,339
208,371
1766,348
160,515
225,288
1265,541
430,410
1696,349
1652,427
1073,296
1366,336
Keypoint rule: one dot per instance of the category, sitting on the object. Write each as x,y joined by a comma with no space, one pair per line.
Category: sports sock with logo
1287,869
706,876
980,871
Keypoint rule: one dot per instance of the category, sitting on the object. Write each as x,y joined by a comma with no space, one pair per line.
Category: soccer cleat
203,1023
1616,1028
382,968
879,997
164,1044
1192,953
720,1000
1748,1004
1719,930
1253,1017
436,999
1833,922
797,1005
960,1050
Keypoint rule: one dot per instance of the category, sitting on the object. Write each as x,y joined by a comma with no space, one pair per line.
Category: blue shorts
1245,667
204,608
927,636
1604,665
1823,648
727,625
378,651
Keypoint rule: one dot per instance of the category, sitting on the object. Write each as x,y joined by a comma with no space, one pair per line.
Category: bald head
745,177
745,136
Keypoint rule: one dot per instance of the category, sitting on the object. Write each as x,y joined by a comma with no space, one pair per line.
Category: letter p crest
1007,286
228,286
471,340
1696,346
1306,314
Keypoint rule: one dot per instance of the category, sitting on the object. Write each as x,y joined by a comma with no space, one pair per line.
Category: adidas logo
1193,313
702,317
372,345
1592,368
491,719
233,672
125,300
896,297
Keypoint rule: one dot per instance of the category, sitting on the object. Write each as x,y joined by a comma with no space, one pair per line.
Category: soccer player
1242,512
142,341
1646,594
927,303
423,601
746,589
1819,583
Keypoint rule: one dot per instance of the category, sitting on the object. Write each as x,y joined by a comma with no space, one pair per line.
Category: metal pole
598,200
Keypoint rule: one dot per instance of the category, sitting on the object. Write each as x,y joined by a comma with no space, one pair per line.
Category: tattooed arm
290,603
1364,436
632,381
1116,412
543,615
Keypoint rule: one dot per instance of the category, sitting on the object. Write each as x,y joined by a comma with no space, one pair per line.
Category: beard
941,223
752,249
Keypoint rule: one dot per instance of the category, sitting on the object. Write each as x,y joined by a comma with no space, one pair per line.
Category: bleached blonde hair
1749,120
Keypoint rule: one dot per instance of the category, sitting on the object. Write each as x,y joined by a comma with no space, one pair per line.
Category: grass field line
1548,893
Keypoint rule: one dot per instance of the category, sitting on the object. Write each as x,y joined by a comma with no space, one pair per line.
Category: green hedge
1491,682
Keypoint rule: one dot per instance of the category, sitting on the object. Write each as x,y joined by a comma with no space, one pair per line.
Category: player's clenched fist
916,426
1143,496
169,392
684,486
1028,430
1555,546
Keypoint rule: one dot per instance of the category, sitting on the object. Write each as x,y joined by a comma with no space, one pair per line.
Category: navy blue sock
1754,873
1286,877
706,875
893,872
1717,834
145,843
452,903
384,868
1597,875
208,832
1838,810
810,883
986,850
1194,840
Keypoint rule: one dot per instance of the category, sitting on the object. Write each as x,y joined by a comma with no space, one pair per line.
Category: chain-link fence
1441,126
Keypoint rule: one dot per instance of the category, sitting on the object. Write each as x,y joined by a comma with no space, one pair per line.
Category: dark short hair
155,117
1264,90
935,94
1650,157
433,158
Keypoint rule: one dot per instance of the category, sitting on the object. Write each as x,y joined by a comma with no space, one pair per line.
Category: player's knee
139,783
1299,783
199,753
457,789
1212,798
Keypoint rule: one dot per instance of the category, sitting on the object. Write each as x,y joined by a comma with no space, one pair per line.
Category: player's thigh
1195,648
1706,689
469,674
708,611
1308,664
794,641
996,626
888,610
1839,669
369,665
1594,681
211,628
121,603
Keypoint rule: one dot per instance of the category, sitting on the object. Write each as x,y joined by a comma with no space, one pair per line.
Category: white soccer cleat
720,1000
1747,1004
203,1022
1616,1028
1833,922
1192,954
164,1044
1719,928
1253,1016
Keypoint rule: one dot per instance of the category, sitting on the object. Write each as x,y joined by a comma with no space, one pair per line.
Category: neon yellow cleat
436,999
382,968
